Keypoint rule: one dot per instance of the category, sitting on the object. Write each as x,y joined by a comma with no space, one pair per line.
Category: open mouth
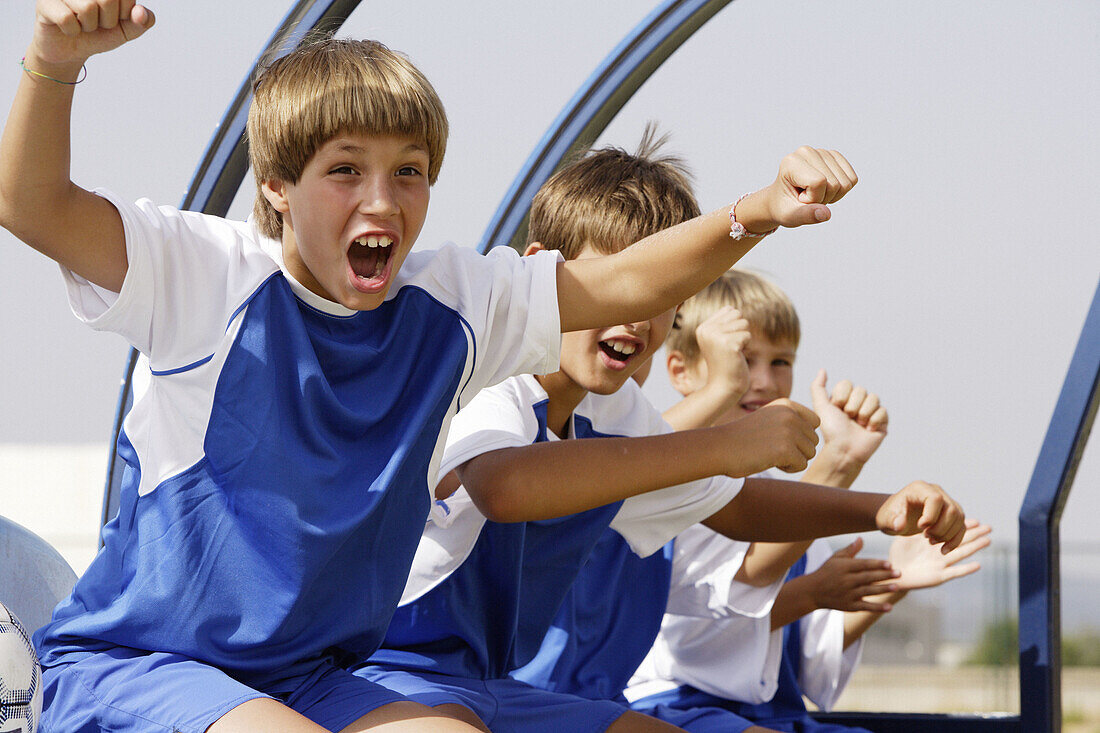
369,257
617,353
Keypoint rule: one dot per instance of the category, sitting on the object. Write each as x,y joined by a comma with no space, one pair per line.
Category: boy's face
352,217
600,360
771,374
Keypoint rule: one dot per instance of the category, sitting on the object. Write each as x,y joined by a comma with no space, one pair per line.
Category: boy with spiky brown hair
503,551
302,372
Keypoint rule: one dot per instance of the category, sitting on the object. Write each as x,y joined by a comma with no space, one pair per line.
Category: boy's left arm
664,269
772,510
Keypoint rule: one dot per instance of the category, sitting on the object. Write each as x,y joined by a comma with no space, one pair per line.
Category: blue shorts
505,705
700,712
134,690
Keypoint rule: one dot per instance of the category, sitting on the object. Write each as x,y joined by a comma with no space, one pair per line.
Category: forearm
856,623
659,272
556,479
792,603
766,562
772,510
39,203
700,409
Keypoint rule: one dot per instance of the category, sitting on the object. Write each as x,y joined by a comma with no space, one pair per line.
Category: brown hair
331,86
767,309
610,198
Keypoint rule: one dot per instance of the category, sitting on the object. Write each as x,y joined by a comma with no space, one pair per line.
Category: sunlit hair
767,309
330,87
609,199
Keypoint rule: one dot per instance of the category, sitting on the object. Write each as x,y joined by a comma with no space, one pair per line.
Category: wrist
837,467
753,212
38,67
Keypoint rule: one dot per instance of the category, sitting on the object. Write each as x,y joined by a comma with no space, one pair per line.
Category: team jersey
482,595
281,448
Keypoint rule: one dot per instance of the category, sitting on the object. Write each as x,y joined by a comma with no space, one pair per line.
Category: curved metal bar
592,108
220,172
1040,515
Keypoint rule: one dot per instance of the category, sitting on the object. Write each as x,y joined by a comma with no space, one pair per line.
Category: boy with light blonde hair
302,373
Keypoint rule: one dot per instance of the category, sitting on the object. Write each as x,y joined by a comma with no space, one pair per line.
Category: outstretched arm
556,479
664,269
39,203
853,426
783,511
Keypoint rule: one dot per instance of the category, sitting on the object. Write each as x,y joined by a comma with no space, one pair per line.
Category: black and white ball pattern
20,677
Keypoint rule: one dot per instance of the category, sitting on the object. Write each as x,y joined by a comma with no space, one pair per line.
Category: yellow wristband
83,74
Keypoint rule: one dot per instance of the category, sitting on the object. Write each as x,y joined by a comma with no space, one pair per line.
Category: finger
141,20
108,14
851,550
841,391
805,413
932,507
950,528
960,571
803,176
844,165
88,17
61,16
845,182
867,408
872,606
818,394
832,183
879,421
855,401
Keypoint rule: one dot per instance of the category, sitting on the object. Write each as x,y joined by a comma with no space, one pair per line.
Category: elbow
498,505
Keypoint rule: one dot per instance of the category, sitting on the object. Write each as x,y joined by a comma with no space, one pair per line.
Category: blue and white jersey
281,449
482,595
717,637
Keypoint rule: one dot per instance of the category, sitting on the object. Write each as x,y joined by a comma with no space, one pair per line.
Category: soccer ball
20,677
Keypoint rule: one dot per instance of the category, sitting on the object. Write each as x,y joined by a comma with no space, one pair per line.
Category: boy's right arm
39,203
546,480
666,268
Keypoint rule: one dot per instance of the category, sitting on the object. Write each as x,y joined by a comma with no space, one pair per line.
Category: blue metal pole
1040,578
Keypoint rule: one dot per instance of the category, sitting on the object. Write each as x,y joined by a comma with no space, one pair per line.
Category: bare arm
664,269
853,423
547,480
783,511
39,203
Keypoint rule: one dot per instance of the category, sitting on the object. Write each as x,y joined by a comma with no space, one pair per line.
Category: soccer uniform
734,666
482,595
280,456
612,614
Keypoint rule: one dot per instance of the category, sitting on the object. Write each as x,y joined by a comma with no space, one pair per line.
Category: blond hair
767,309
329,87
610,198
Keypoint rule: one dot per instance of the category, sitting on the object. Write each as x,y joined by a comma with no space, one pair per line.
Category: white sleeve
826,666
186,273
509,302
498,417
649,521
704,566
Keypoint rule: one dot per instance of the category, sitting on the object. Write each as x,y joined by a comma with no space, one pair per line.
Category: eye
343,170
408,170
782,362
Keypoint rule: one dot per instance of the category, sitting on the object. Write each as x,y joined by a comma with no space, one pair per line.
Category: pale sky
953,280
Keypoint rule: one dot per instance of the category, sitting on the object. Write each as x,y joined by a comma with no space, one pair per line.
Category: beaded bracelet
83,74
737,229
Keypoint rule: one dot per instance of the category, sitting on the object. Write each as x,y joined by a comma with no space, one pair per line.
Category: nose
638,327
378,197
761,379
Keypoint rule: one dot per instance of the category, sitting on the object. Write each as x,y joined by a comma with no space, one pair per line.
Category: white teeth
625,349
374,240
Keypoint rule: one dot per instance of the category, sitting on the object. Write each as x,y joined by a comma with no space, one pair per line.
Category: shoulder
458,275
626,412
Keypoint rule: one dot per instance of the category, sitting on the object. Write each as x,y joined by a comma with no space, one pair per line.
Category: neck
564,395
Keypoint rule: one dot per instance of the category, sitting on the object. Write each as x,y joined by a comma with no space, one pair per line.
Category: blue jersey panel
607,623
490,615
295,532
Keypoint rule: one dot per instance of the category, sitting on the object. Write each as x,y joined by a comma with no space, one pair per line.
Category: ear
533,248
275,193
679,372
